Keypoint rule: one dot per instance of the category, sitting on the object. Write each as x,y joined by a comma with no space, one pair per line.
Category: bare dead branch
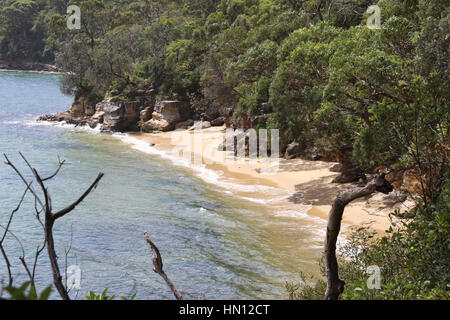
25,265
7,162
5,256
66,254
36,257
11,216
66,210
49,221
158,264
6,230
8,266
61,163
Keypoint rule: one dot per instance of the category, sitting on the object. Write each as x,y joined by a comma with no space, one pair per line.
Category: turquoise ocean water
214,245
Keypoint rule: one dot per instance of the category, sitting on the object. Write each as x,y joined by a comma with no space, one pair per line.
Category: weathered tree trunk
335,286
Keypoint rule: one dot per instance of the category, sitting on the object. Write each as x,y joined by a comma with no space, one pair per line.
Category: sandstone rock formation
112,114
200,125
79,113
146,114
166,115
120,116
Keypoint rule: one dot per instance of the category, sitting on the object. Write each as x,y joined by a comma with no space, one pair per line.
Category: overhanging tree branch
335,286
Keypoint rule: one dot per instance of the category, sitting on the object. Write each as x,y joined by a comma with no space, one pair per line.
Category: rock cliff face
119,115
147,115
114,115
81,112
405,181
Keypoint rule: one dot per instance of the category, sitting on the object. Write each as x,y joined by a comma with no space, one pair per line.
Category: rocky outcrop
146,114
312,154
201,125
82,107
119,115
395,178
184,124
405,180
166,115
292,150
157,125
27,66
57,117
218,122
80,113
112,114
350,174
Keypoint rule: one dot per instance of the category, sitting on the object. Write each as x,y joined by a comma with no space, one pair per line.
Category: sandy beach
298,185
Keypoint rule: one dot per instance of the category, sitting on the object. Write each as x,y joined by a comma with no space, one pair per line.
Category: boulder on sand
184,124
166,115
218,122
350,174
292,150
157,125
200,125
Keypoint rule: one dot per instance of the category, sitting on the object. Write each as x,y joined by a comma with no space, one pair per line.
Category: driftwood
158,264
335,286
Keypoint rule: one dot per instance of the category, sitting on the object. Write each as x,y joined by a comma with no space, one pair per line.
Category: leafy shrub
21,293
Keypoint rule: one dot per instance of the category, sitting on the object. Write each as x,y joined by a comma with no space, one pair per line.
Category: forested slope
333,82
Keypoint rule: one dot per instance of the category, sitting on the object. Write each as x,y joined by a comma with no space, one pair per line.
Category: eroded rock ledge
18,65
114,115
145,114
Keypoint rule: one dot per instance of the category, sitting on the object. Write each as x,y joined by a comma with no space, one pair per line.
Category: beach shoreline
32,71
29,67
297,186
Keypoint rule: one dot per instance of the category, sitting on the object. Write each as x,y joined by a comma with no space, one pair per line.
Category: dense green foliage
373,97
24,29
333,82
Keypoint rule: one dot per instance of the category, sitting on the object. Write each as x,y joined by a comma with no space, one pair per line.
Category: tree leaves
20,293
